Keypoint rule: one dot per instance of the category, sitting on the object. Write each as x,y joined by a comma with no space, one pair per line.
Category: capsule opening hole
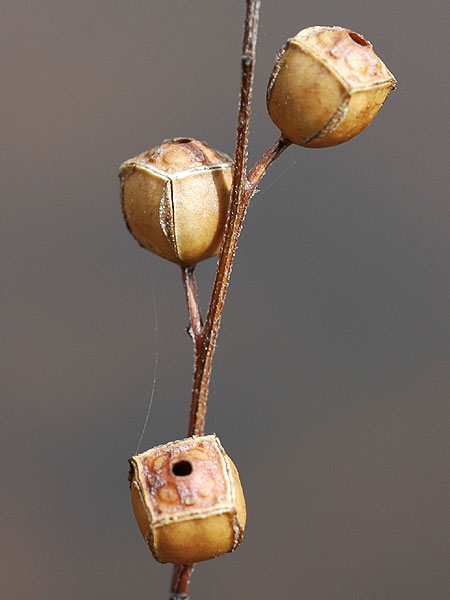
182,140
358,39
182,468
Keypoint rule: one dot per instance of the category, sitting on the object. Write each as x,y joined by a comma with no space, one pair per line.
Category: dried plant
186,201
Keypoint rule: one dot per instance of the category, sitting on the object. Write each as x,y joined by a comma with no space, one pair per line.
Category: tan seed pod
327,85
175,199
188,500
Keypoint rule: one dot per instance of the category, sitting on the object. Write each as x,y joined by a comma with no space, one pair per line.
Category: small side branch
260,169
195,318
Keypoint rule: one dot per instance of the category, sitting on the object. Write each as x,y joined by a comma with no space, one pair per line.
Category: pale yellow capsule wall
175,199
191,516
327,86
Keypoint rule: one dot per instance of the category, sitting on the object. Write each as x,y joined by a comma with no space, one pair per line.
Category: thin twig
195,317
179,589
204,336
260,169
204,339
202,372
203,359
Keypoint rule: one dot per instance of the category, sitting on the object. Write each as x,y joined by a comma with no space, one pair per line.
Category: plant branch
179,589
202,372
260,169
195,317
206,340
204,336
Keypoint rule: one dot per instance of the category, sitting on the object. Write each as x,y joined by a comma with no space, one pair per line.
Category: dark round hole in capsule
358,38
182,140
182,468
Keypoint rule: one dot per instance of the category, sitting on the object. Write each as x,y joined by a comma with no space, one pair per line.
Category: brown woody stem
204,335
205,341
179,589
195,318
202,369
260,169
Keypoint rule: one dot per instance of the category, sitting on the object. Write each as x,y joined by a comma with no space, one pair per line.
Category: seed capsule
188,500
326,87
175,199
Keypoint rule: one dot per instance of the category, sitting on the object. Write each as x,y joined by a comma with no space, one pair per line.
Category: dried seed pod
188,500
175,199
326,86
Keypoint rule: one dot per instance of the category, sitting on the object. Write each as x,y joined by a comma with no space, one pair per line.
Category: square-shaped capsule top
188,500
185,478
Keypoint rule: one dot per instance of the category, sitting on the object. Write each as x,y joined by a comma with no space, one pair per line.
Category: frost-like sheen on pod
175,199
327,85
188,500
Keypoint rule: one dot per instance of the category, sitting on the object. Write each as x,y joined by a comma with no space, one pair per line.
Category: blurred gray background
331,380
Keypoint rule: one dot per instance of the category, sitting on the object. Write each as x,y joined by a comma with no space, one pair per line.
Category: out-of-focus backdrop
331,381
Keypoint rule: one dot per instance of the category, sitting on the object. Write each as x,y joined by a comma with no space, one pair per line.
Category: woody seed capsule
175,199
326,87
188,500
